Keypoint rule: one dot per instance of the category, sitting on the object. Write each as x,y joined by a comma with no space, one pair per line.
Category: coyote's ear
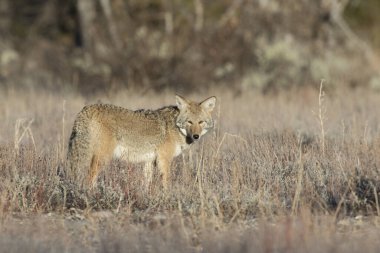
181,102
209,104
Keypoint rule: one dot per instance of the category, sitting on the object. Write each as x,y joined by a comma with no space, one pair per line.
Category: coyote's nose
196,137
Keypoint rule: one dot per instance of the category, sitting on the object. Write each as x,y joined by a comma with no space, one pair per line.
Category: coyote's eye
190,122
201,122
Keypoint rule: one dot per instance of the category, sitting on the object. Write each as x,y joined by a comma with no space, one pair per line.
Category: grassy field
293,172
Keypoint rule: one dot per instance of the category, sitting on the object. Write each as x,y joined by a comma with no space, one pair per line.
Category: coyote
102,132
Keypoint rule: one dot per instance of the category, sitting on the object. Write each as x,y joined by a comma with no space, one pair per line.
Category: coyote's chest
179,148
124,153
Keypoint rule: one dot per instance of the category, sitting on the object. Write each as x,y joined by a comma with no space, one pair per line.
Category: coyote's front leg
164,159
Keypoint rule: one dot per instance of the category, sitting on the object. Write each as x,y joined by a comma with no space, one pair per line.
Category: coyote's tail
79,151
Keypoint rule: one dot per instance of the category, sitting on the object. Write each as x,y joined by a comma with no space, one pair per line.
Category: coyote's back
101,132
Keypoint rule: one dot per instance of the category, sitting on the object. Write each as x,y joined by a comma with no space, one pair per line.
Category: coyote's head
194,119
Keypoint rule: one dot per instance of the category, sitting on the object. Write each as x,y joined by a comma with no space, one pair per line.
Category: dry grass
265,180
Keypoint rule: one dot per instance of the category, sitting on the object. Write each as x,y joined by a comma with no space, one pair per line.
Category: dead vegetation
266,179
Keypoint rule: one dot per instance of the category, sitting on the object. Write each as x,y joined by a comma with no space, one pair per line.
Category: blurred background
92,46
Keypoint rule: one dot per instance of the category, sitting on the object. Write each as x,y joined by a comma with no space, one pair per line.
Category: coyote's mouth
189,140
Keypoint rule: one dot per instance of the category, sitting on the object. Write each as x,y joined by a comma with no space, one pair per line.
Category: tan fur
101,132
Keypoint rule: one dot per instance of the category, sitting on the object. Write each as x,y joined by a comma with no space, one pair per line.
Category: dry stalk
215,156
217,206
231,135
23,126
119,204
217,128
376,200
341,201
63,130
199,178
297,193
322,115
